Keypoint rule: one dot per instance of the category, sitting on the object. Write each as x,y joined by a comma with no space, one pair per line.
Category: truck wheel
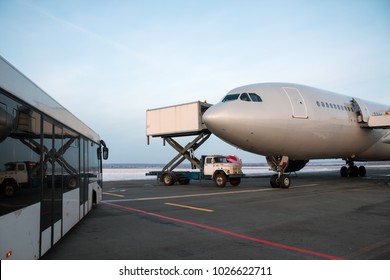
235,181
184,181
72,183
9,189
220,179
168,179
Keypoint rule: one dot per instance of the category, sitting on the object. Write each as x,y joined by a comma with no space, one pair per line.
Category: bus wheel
220,179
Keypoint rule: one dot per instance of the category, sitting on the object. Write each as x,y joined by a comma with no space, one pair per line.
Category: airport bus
50,168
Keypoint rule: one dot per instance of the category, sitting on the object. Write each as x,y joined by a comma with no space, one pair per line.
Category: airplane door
361,109
297,102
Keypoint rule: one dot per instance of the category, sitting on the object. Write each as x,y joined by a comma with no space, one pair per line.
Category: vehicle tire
220,179
275,183
353,171
235,181
344,171
184,181
284,181
168,179
72,183
9,188
362,171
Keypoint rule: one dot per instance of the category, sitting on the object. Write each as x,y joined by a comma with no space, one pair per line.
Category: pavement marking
226,232
190,207
203,194
113,194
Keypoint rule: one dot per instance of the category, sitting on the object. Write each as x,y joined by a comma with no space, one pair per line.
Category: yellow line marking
113,194
190,207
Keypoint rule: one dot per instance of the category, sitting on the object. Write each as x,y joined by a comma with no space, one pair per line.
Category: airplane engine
284,164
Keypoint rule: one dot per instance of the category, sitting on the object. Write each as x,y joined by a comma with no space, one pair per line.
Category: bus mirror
105,153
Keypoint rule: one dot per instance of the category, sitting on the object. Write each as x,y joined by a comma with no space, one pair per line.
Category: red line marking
238,235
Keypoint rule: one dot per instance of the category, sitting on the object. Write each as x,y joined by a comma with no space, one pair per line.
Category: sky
108,62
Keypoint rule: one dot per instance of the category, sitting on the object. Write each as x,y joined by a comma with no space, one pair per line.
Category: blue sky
109,61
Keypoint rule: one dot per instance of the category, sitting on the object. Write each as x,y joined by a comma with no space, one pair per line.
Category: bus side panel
46,240
21,235
71,202
57,233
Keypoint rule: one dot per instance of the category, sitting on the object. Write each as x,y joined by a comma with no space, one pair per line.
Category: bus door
51,207
83,177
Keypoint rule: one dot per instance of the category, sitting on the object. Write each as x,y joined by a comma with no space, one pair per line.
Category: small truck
17,175
220,169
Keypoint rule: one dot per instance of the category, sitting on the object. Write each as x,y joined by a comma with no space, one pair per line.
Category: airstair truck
186,120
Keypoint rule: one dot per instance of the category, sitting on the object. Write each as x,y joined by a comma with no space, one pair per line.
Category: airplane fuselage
300,122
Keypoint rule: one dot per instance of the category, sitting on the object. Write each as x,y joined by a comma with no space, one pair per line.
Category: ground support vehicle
185,120
212,167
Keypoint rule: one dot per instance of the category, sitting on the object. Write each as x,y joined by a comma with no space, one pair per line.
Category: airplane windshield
255,97
230,97
249,97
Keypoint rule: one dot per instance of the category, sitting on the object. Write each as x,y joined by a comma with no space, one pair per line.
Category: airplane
291,124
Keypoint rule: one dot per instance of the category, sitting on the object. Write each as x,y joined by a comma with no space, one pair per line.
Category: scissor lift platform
178,121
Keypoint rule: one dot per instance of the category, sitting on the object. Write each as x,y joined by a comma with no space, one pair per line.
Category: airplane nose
215,118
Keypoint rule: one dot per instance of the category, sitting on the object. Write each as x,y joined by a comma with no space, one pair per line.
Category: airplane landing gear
279,164
352,170
283,181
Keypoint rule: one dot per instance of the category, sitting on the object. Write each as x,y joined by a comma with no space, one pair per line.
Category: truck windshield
10,166
220,160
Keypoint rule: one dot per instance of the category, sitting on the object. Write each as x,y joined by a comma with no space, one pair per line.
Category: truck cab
222,169
17,175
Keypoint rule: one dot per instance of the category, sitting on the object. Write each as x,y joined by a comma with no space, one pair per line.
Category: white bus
50,168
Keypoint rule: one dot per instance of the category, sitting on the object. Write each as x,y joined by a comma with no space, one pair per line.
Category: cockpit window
255,97
245,97
230,97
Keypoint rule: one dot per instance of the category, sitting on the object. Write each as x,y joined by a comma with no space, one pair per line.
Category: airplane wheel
362,171
344,171
275,183
284,181
353,171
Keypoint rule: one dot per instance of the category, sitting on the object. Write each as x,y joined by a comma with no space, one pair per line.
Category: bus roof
16,83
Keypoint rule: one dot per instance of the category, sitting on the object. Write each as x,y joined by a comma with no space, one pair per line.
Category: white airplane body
291,124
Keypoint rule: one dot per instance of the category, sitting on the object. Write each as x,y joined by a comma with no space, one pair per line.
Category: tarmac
321,216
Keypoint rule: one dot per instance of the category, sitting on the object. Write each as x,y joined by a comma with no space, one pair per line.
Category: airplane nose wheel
283,181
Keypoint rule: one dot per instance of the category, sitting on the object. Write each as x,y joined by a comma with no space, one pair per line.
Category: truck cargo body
177,120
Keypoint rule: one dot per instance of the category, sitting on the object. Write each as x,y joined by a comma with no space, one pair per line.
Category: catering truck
220,169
